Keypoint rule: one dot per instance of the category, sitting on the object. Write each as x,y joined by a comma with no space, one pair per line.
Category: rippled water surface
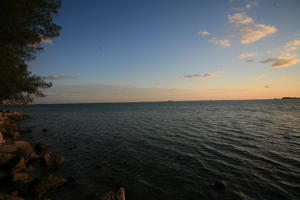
174,150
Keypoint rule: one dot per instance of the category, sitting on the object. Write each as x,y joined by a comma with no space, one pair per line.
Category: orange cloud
284,60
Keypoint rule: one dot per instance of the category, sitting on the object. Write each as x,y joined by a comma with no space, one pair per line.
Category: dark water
174,150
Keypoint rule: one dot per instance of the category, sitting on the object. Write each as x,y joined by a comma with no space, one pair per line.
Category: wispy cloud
250,31
292,45
246,55
284,60
249,61
192,76
204,33
57,77
251,4
267,86
220,42
240,18
209,74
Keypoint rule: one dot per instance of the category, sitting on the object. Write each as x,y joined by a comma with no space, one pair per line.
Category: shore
20,163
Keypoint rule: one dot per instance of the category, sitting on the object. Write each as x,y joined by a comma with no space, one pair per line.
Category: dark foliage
23,26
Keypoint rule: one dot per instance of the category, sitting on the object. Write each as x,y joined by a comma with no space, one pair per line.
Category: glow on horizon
173,50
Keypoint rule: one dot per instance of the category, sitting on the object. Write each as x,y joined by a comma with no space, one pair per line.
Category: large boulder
15,116
26,149
40,187
119,195
8,148
50,159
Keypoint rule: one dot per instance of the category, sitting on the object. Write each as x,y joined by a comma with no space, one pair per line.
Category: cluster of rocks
18,161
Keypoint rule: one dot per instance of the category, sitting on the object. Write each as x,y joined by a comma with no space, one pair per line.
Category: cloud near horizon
250,31
209,74
206,75
222,43
246,55
57,77
192,76
284,60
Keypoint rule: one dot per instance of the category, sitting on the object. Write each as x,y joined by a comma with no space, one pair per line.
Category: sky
159,50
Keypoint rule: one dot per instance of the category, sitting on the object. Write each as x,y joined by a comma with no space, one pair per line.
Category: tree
24,24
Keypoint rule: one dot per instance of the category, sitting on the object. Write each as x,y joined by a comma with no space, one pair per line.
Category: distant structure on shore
290,97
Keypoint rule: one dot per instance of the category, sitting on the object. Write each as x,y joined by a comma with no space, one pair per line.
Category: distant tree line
24,24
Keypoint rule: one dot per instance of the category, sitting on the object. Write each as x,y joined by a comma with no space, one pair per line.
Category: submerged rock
220,184
45,129
50,159
40,187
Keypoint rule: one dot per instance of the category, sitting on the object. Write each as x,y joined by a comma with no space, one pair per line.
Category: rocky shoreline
19,163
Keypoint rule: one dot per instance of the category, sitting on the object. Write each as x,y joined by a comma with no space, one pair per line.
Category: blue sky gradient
148,48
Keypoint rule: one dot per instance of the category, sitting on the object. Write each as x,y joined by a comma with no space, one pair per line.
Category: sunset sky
158,50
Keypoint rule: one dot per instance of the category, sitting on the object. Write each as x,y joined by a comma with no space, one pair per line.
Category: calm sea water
174,150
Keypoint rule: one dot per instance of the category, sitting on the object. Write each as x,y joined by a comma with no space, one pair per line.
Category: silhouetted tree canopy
24,24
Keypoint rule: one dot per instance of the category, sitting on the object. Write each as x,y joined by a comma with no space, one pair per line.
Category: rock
18,148
26,150
40,187
28,168
49,159
8,148
40,147
9,197
119,195
220,184
15,116
21,177
5,158
2,140
14,134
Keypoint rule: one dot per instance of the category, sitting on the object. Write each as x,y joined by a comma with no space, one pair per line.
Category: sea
172,150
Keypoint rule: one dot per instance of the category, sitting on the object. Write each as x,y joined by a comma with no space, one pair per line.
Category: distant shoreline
167,101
